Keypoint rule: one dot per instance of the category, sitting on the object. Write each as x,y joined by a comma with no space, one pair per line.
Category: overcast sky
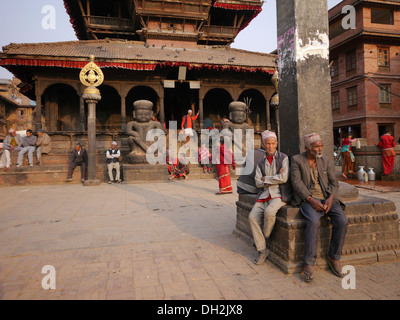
21,22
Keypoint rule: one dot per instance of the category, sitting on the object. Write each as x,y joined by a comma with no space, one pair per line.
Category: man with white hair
11,143
315,189
113,155
187,124
274,192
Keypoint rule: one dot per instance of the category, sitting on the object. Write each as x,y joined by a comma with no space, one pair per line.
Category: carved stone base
134,158
372,234
142,173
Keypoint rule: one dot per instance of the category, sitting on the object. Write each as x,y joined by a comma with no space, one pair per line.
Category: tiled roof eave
139,65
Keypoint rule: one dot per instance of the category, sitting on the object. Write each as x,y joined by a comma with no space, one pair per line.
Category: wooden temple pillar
82,118
268,113
123,112
38,112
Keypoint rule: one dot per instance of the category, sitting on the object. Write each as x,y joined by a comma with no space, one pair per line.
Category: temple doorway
216,106
178,101
141,93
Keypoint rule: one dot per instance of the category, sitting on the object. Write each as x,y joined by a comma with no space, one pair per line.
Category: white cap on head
190,110
309,139
114,143
11,130
268,134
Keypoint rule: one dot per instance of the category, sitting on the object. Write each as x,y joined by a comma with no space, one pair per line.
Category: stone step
39,175
54,171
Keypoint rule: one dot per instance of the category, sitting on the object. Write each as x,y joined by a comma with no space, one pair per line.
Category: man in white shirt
113,155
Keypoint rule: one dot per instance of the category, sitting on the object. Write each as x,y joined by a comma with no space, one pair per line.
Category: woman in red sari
224,174
387,144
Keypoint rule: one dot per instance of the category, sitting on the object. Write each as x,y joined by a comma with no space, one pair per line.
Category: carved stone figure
138,129
238,117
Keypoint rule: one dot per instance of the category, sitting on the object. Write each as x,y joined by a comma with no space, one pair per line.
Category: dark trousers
72,167
339,230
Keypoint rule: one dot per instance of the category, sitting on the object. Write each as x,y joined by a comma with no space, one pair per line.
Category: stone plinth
372,236
142,173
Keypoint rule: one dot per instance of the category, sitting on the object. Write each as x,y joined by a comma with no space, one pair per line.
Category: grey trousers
263,213
21,154
339,230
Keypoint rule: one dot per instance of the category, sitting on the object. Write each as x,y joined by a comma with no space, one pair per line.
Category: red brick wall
369,113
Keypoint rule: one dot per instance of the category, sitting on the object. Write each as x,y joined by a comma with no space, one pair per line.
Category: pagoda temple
175,53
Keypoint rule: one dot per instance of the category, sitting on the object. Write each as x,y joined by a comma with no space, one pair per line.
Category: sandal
335,268
308,277
344,176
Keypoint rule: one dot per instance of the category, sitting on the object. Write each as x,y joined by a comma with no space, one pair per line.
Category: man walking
78,157
28,145
112,156
315,190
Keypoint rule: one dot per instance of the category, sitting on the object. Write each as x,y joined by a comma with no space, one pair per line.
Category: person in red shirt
348,157
387,144
187,124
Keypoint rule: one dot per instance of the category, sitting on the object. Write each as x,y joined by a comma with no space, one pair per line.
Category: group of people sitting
79,158
308,180
41,143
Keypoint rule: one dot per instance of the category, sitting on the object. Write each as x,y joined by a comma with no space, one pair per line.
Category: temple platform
54,170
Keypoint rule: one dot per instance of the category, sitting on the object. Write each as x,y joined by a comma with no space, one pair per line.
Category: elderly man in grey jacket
28,145
315,189
272,173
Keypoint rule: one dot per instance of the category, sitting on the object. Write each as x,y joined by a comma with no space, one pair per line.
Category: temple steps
53,173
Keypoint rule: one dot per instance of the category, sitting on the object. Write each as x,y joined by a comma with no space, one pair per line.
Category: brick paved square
170,241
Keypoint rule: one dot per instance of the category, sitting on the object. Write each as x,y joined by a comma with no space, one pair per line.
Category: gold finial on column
91,76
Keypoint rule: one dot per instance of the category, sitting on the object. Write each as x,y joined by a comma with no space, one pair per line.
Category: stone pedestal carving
138,129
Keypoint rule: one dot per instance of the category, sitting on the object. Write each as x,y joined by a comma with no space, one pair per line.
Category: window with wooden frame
385,96
383,59
351,61
335,101
335,68
352,100
382,16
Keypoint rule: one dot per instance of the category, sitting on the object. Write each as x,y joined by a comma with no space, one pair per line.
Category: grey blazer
300,176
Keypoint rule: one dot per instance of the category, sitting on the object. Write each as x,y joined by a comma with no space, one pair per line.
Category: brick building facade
365,69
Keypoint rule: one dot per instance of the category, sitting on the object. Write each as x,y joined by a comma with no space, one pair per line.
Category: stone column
304,84
92,100
38,110
162,111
